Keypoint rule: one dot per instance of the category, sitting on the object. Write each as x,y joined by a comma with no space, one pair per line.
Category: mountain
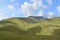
32,19
38,18
29,27
48,26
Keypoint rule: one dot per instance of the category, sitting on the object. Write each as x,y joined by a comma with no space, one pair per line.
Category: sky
25,8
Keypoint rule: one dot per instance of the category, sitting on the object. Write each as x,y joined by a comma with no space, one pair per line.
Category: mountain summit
37,17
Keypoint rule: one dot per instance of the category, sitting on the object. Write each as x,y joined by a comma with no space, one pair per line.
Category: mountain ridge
47,24
19,28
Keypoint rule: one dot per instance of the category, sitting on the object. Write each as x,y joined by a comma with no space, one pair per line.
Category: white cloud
50,14
30,8
58,8
26,9
38,4
40,13
3,15
35,5
49,1
10,7
1,12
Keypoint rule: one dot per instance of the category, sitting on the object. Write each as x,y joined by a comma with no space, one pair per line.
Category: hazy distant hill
33,25
38,18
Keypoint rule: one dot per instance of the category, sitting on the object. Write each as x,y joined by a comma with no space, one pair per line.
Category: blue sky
25,8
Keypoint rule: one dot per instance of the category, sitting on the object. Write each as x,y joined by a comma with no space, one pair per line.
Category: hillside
30,27
48,26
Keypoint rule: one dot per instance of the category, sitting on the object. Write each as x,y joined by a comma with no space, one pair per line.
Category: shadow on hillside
57,32
6,22
13,29
17,30
34,30
25,35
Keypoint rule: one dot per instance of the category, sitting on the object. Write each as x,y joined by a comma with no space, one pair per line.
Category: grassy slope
48,26
14,27
16,22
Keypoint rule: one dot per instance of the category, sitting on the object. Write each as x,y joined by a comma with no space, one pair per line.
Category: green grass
26,29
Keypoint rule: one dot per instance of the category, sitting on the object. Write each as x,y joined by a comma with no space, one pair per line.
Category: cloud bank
29,9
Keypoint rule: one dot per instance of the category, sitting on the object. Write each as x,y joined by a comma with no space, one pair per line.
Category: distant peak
36,16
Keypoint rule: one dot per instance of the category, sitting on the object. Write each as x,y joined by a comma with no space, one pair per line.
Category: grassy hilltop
30,28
